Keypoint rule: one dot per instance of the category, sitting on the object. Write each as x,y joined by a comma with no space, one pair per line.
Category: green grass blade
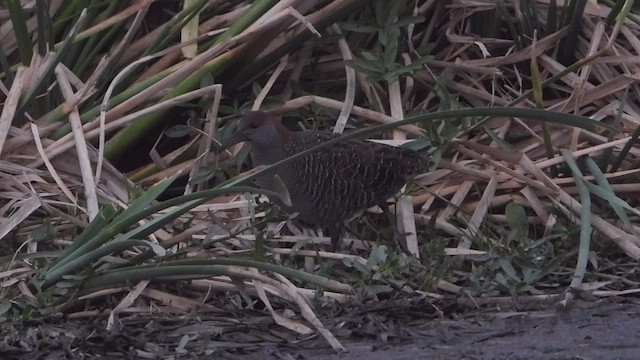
608,194
119,224
40,83
104,217
45,35
192,268
585,222
23,38
70,267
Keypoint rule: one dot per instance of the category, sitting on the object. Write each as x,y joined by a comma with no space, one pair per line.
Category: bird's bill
236,138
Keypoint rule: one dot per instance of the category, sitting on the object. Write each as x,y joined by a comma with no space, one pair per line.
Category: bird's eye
253,126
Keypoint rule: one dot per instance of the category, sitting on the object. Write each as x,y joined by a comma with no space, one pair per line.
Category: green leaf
418,145
408,20
51,277
204,174
391,50
366,67
378,256
44,231
517,219
23,38
383,38
605,191
366,29
101,230
381,11
259,250
508,268
348,262
417,65
367,55
178,131
585,220
530,275
5,305
40,83
392,10
199,267
503,144
364,269
103,218
281,189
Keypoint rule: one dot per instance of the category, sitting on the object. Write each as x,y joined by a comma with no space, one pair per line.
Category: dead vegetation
110,190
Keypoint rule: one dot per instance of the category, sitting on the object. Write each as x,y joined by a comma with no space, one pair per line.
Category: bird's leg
400,239
334,234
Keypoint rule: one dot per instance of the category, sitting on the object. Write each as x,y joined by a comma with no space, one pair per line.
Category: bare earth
603,331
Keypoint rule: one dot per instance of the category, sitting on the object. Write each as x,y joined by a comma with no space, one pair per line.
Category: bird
331,185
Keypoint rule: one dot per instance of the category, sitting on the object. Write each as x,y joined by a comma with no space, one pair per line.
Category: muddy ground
408,330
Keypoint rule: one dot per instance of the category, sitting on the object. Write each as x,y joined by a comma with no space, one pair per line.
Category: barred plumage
333,184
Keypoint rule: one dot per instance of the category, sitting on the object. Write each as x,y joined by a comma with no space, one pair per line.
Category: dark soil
603,330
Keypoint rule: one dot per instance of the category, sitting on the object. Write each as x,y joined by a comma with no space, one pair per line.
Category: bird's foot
401,240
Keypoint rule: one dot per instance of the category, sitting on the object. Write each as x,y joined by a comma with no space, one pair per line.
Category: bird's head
261,129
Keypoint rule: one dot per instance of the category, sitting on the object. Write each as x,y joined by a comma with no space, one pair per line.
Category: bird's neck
284,134
266,155
273,149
